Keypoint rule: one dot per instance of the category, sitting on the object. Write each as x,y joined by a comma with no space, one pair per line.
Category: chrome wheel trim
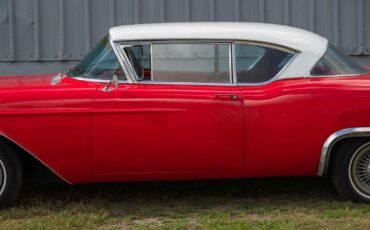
2,177
358,170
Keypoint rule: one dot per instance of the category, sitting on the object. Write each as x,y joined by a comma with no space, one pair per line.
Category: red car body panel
50,121
287,122
166,129
165,132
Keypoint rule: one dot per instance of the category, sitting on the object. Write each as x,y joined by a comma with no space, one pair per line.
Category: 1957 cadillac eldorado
192,101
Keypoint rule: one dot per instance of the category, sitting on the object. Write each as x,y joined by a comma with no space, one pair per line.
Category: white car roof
309,45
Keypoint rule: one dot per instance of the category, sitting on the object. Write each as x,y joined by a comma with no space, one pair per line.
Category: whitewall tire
10,175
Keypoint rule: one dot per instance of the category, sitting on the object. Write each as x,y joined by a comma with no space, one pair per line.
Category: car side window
334,62
181,62
259,64
140,59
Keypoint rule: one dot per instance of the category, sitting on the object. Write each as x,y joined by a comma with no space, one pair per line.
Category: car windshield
335,62
101,63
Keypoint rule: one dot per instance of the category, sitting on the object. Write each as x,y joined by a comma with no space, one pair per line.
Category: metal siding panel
4,31
146,11
335,17
187,10
248,11
324,18
347,25
112,14
224,10
11,29
277,11
236,10
299,13
137,11
174,10
359,28
261,10
99,20
49,31
199,10
161,11
311,15
125,12
87,25
61,29
75,30
23,30
211,10
36,31
367,27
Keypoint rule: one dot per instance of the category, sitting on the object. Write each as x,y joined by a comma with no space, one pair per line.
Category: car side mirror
113,82
66,71
69,69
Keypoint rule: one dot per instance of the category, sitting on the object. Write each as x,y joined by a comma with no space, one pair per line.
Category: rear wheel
10,175
351,171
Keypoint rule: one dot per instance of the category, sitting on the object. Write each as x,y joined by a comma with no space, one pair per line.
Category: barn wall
44,36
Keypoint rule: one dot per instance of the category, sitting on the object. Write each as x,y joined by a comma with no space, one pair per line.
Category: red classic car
192,101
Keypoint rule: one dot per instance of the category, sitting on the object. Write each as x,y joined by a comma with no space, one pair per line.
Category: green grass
278,203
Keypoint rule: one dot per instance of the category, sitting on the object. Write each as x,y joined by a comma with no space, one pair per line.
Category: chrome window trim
233,79
151,63
268,45
251,42
231,69
334,138
131,69
120,60
341,75
97,80
183,83
123,45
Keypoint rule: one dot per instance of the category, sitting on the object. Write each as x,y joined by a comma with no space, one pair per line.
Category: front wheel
351,171
10,175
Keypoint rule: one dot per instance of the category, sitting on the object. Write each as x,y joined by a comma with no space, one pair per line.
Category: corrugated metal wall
47,35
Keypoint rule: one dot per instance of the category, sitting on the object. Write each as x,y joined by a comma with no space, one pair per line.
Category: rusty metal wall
44,36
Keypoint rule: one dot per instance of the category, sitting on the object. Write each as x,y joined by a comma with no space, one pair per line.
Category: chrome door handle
231,96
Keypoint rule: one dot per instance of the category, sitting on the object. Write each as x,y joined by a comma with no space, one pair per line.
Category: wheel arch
26,152
333,140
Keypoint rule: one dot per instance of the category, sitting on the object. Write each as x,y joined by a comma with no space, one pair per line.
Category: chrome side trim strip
334,138
12,140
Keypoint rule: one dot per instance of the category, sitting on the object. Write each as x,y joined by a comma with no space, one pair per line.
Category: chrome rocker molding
334,138
27,151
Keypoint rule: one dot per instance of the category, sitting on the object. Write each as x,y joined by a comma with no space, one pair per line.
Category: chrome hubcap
360,170
363,168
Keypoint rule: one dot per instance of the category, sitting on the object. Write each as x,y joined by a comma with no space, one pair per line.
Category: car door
182,115
278,131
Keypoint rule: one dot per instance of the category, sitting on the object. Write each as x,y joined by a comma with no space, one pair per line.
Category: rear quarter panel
288,121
